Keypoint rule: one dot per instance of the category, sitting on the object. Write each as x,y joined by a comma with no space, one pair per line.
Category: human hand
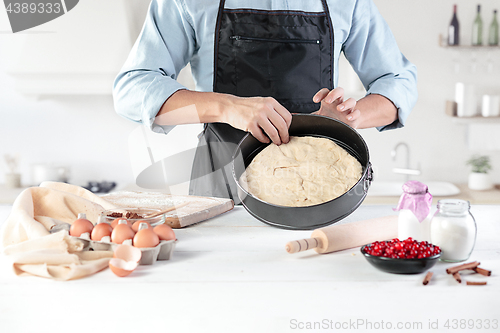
334,106
258,115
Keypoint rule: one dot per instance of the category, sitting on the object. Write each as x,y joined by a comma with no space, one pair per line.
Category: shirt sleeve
373,53
148,77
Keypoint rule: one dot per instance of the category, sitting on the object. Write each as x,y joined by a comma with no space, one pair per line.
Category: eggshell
122,232
115,222
127,253
146,238
121,267
165,232
80,226
101,230
136,225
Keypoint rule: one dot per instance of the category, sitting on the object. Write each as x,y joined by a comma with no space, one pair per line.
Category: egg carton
150,255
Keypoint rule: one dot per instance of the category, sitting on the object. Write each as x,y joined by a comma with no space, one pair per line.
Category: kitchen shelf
472,48
476,119
442,43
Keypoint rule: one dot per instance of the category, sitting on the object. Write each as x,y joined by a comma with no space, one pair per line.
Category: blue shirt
178,32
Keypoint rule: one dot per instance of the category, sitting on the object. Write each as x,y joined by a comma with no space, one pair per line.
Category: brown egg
146,237
136,225
122,232
101,230
165,232
115,222
81,226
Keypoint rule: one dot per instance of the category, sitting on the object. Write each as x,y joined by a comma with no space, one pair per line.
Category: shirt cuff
397,97
158,91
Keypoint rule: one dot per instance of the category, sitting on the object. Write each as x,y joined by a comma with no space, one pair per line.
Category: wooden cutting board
192,209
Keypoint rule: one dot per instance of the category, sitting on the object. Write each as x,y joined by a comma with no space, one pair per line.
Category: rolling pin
348,235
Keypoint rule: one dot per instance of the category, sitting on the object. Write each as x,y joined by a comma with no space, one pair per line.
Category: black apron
284,54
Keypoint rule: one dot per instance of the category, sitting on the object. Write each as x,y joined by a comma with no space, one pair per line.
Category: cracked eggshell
125,260
127,253
121,267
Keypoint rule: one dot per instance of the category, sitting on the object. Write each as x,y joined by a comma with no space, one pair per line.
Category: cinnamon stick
427,278
473,283
482,271
469,265
457,277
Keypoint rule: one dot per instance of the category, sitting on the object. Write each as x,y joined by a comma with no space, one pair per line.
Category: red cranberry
405,249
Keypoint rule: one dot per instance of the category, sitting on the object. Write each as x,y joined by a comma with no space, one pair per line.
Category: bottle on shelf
477,28
454,29
493,31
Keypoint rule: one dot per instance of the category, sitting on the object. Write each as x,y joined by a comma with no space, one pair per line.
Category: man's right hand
260,116
263,117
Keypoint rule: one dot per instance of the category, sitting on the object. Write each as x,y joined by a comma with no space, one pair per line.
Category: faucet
406,170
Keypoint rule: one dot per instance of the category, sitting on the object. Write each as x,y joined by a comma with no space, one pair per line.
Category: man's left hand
334,106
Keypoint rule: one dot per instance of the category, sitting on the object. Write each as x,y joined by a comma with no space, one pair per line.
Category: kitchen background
56,106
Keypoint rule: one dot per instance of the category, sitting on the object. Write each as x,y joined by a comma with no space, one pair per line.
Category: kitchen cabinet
78,53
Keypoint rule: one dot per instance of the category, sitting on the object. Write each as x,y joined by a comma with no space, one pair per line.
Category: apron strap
216,38
332,35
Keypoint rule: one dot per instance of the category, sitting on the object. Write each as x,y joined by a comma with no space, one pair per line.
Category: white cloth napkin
33,250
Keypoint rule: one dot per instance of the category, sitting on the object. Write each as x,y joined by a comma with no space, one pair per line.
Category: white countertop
232,274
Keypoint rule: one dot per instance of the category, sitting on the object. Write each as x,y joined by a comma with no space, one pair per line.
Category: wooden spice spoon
169,209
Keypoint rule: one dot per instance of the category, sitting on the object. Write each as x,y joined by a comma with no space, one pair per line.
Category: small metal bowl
400,266
153,221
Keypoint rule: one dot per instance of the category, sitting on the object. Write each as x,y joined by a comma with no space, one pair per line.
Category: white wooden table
232,274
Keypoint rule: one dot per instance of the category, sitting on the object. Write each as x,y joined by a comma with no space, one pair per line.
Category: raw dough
304,172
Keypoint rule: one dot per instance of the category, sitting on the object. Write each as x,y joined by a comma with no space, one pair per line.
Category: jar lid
416,198
453,205
415,187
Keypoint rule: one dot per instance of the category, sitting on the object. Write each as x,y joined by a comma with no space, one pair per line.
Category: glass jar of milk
453,229
414,212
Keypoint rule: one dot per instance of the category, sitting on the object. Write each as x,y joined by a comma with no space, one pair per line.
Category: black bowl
401,266
315,216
